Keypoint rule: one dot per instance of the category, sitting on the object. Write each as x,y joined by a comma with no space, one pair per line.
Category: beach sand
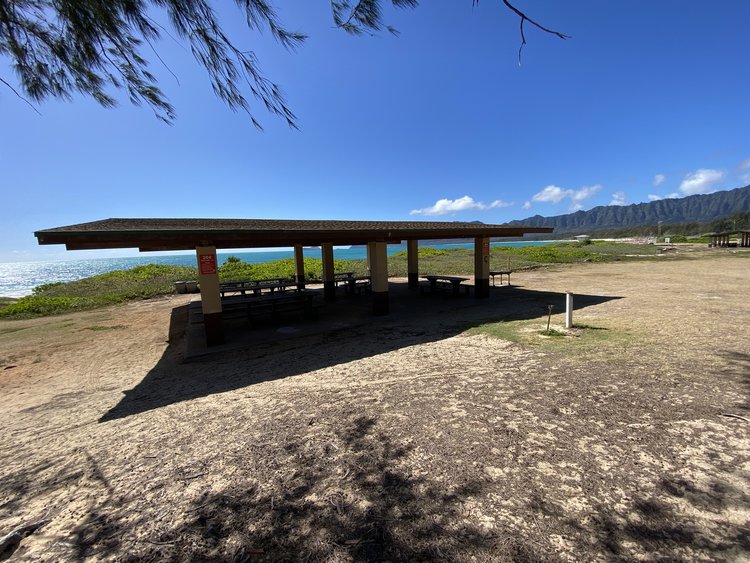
405,438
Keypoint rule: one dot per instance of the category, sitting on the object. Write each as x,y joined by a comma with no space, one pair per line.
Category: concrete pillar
481,267
568,309
299,266
208,277
412,259
379,273
329,284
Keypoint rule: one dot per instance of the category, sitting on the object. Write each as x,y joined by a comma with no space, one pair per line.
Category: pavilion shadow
173,381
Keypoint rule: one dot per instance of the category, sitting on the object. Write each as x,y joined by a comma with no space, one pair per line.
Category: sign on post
207,264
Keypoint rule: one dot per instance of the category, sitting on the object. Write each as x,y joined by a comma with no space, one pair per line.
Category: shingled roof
185,234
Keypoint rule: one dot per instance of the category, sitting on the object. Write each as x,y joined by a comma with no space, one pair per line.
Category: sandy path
407,441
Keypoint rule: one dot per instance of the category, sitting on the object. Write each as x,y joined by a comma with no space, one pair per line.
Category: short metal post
568,309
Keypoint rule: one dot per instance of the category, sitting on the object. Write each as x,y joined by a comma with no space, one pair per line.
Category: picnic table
256,286
274,305
454,282
357,284
342,278
351,282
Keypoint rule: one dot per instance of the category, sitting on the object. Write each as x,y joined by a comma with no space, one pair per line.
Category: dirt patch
408,439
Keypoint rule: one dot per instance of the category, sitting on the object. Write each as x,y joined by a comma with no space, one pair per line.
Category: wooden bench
501,273
272,306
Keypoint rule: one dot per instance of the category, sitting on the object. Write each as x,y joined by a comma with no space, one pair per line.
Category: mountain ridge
695,208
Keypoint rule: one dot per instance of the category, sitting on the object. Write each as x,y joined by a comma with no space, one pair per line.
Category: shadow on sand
414,319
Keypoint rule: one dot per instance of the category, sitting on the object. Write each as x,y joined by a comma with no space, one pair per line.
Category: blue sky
648,99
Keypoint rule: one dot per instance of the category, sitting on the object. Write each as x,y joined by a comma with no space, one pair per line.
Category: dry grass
408,439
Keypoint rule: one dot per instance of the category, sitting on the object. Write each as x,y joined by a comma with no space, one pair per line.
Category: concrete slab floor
346,312
441,313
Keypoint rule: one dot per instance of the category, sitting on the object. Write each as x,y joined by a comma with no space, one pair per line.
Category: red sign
207,264
486,248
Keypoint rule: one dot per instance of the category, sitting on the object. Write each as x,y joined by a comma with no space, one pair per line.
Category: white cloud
701,181
552,194
745,164
659,179
465,203
585,193
555,194
618,198
527,205
655,197
500,203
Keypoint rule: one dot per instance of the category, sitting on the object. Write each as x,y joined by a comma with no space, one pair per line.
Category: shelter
206,235
723,239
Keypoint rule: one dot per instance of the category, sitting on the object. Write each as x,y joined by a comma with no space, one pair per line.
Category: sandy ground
404,439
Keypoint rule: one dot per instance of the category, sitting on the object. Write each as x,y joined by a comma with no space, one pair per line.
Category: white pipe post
568,309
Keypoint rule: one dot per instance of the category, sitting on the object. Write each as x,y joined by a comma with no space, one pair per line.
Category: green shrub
560,253
286,268
424,252
5,301
45,287
149,280
38,306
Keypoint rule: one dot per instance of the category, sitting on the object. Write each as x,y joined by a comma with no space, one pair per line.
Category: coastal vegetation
235,269
118,286
154,280
460,261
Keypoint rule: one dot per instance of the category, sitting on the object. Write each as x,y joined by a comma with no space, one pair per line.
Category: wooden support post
412,259
208,278
481,267
329,284
299,266
379,277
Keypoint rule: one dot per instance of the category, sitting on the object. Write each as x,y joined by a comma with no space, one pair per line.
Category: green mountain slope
695,208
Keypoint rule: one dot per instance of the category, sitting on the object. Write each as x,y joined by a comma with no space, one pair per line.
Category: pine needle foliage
61,47
92,47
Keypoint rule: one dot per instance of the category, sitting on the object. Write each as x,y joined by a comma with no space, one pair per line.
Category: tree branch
525,18
20,96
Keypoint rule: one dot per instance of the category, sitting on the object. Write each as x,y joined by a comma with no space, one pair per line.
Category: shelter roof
727,233
185,234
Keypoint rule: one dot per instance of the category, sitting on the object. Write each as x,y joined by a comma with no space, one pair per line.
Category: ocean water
19,278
